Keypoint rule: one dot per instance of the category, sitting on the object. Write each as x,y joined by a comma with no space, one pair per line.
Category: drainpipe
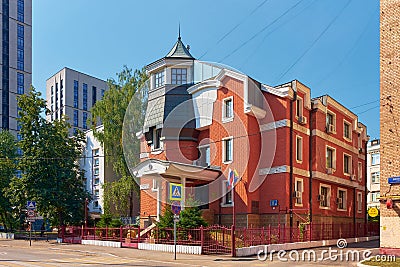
291,159
354,210
365,181
310,151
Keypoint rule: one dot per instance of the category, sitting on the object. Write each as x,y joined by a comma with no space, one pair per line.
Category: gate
217,240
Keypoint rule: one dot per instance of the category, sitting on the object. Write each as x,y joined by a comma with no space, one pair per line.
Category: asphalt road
19,253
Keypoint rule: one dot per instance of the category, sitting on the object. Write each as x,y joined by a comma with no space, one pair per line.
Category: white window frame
179,81
345,122
333,119
374,176
98,179
344,200
98,171
224,140
328,198
205,148
299,201
359,202
96,193
375,163
156,78
154,136
225,118
350,165
225,193
300,113
96,152
360,171
299,160
96,161
333,157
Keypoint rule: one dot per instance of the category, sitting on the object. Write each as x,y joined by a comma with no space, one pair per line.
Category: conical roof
179,51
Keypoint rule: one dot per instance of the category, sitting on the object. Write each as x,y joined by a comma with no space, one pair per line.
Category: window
20,47
299,148
84,118
155,184
84,96
156,138
20,83
341,199
346,164
299,107
227,194
324,196
159,79
20,10
375,196
227,109
96,204
298,187
375,177
359,202
52,91
330,158
97,181
331,121
94,95
375,159
96,162
360,171
227,144
96,192
76,118
346,130
204,156
76,94
179,76
96,171
95,152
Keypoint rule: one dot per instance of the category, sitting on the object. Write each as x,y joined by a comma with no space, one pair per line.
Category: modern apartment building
97,172
16,58
73,93
373,173
293,158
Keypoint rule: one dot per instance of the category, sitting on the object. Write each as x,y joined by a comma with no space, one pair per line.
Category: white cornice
204,84
281,92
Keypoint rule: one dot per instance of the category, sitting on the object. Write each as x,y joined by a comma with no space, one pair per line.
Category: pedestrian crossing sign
175,191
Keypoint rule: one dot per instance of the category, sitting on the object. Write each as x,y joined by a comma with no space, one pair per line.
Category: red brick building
297,158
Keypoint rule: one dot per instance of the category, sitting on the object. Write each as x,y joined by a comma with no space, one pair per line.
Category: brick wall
390,108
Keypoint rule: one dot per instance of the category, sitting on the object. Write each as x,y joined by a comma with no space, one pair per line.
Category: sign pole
30,234
174,239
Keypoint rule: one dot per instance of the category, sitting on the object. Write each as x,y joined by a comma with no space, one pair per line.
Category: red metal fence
220,239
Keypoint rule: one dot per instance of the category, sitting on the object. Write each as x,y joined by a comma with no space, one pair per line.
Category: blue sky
332,46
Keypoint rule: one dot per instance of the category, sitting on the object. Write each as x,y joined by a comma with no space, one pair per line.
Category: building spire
179,31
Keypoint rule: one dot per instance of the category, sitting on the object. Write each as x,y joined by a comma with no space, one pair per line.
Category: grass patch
383,260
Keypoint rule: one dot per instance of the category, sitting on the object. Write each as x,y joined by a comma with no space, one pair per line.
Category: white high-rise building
73,93
373,173
16,58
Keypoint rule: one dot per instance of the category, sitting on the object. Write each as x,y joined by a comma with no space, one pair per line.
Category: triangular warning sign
176,193
31,205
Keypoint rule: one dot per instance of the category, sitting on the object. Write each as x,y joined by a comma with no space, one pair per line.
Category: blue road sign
394,180
31,205
176,207
273,202
175,191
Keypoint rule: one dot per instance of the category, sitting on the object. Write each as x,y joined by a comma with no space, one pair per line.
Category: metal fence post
120,233
233,241
202,239
269,234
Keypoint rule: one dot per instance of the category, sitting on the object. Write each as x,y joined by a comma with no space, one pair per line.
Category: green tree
190,217
50,164
8,153
111,111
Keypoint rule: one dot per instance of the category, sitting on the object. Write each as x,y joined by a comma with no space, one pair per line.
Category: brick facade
389,111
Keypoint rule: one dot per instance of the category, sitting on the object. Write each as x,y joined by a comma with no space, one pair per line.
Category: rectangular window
298,187
20,83
359,202
84,122
159,79
346,164
20,47
97,181
324,196
96,204
76,94
299,107
20,10
360,171
96,192
94,95
346,130
204,156
95,152
299,148
227,193
375,177
375,197
178,76
341,199
156,138
375,158
84,96
330,158
76,118
96,171
227,109
96,162
227,149
330,122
